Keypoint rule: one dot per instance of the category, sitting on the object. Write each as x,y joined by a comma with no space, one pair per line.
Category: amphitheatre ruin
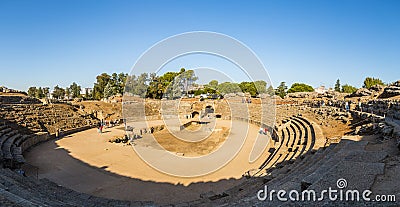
52,153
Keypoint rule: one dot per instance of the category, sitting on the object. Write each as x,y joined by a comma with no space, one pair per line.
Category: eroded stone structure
304,156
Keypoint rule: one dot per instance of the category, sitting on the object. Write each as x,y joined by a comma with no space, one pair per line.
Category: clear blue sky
44,43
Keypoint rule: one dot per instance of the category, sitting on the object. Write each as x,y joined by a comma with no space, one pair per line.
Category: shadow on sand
56,164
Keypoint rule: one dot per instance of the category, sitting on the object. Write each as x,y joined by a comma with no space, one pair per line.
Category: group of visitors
104,123
100,127
246,100
111,123
263,130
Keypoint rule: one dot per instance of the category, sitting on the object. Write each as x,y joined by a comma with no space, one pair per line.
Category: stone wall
33,118
10,99
43,137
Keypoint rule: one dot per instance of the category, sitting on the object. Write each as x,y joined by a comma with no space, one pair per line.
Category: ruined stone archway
209,109
195,114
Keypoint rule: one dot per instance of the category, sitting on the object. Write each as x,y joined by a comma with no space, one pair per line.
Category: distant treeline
174,85
282,89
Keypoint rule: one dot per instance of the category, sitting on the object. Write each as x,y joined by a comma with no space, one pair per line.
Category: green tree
261,86
270,91
121,80
95,94
181,84
75,90
210,90
155,88
175,89
161,84
108,90
130,83
248,87
114,83
186,79
68,92
101,82
300,87
337,85
87,95
348,89
281,90
213,84
58,92
171,83
46,91
369,82
39,93
228,87
117,82
141,85
32,91
199,92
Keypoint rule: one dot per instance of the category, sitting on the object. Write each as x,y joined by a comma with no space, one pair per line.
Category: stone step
289,135
331,150
307,163
295,153
301,159
7,144
5,131
242,189
287,181
19,186
73,198
2,127
21,139
55,194
275,152
282,168
311,131
284,150
286,157
17,155
303,139
361,176
274,161
295,135
307,140
349,150
272,152
5,136
15,199
299,130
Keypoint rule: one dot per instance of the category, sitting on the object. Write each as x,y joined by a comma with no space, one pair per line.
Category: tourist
21,172
261,131
347,106
98,128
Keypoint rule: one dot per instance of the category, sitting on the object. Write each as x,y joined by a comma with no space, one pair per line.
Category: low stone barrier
43,137
396,130
148,130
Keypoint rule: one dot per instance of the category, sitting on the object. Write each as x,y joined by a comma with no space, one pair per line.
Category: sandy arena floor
87,162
